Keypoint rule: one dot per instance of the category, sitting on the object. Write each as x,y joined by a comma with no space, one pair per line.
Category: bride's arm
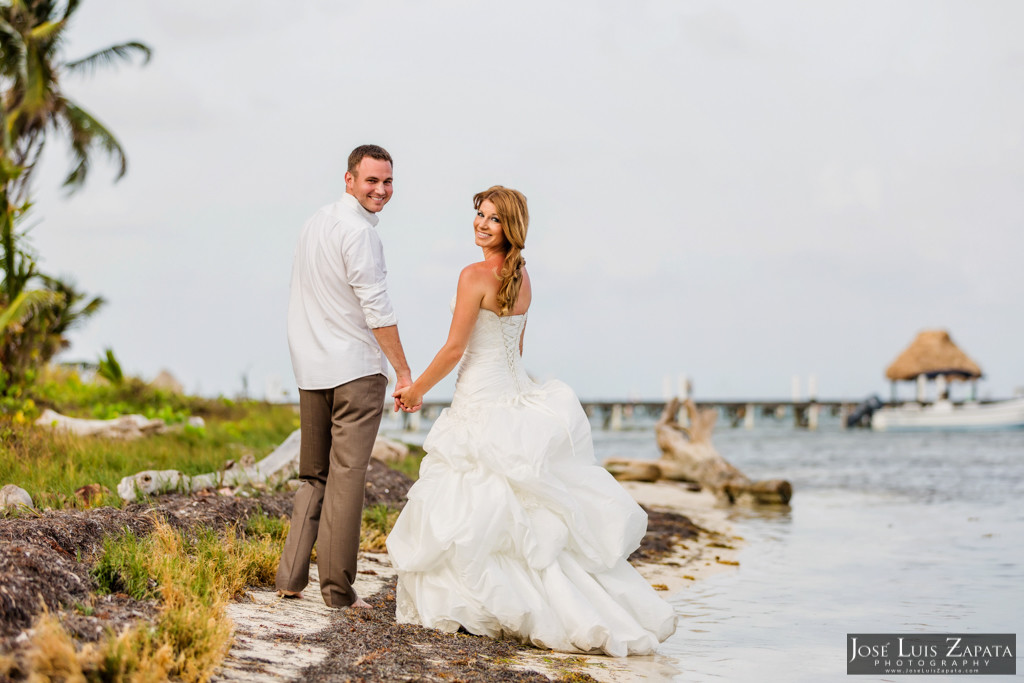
468,297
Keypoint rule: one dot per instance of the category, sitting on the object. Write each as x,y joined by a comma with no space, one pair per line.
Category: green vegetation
51,466
123,567
377,523
109,369
410,465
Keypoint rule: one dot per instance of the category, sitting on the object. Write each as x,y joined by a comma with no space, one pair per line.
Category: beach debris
278,468
15,496
282,464
634,470
687,454
123,427
91,493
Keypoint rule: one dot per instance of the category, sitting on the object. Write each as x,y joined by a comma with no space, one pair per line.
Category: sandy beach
277,639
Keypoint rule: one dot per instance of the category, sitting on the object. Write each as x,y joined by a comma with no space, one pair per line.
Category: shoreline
277,639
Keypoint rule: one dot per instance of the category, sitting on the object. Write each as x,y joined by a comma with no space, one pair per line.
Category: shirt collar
352,202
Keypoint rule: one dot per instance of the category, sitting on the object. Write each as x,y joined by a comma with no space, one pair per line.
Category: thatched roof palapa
933,353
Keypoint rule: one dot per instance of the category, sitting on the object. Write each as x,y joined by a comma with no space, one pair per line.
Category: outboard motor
861,416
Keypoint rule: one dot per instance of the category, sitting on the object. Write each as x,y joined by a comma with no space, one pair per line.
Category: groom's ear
349,180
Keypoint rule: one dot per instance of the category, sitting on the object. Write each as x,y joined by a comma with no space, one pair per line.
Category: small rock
15,496
387,450
196,421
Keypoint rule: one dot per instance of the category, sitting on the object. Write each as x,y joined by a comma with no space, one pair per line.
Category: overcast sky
736,191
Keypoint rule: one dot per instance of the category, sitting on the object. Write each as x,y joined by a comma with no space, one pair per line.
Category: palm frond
70,8
109,56
27,304
71,314
86,133
8,170
46,31
89,310
12,47
37,91
26,159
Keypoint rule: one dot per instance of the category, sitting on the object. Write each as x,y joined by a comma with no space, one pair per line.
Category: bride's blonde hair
515,219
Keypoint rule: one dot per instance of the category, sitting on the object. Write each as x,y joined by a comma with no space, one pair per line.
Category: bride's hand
409,398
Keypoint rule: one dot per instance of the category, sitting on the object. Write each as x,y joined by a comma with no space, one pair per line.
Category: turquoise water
887,533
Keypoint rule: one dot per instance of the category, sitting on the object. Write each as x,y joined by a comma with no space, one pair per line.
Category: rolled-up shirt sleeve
367,274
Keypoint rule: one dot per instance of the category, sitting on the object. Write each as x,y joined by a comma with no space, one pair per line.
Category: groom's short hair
363,151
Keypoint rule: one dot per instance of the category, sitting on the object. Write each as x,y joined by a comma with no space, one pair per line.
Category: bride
512,528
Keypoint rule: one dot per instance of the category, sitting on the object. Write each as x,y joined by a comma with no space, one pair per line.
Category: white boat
944,414
933,357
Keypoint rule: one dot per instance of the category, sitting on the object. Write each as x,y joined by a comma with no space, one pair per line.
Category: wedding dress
512,528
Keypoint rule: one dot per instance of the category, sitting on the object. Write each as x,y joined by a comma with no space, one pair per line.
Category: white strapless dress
512,528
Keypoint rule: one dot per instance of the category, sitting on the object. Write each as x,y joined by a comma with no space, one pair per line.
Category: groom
341,326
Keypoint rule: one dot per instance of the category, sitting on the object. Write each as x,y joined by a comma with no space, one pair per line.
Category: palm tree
32,34
20,321
32,106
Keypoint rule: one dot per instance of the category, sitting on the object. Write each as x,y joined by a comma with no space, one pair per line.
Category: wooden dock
619,414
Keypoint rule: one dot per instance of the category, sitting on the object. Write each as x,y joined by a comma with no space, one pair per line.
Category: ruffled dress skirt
513,530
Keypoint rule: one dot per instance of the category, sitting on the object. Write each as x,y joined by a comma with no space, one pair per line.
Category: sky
736,192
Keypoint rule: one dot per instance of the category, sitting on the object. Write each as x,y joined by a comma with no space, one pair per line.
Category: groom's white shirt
338,294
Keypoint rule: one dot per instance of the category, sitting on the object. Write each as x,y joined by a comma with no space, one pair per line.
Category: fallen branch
282,464
688,455
124,427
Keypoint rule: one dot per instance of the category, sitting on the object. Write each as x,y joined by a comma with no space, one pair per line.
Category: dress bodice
492,366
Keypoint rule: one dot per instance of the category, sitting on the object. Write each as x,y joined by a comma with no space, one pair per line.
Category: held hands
406,397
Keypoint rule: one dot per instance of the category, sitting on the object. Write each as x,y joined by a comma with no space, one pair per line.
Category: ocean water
886,533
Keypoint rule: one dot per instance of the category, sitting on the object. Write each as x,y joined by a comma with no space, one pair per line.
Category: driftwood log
124,427
688,455
281,465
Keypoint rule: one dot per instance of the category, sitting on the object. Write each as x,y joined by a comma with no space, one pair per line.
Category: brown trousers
338,427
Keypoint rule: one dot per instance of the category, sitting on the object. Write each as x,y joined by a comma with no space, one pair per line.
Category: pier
619,414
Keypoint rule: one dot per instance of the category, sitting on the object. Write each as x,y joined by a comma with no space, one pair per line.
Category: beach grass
192,576
51,465
377,523
410,464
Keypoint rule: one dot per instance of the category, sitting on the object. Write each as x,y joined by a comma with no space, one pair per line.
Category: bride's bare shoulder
479,271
